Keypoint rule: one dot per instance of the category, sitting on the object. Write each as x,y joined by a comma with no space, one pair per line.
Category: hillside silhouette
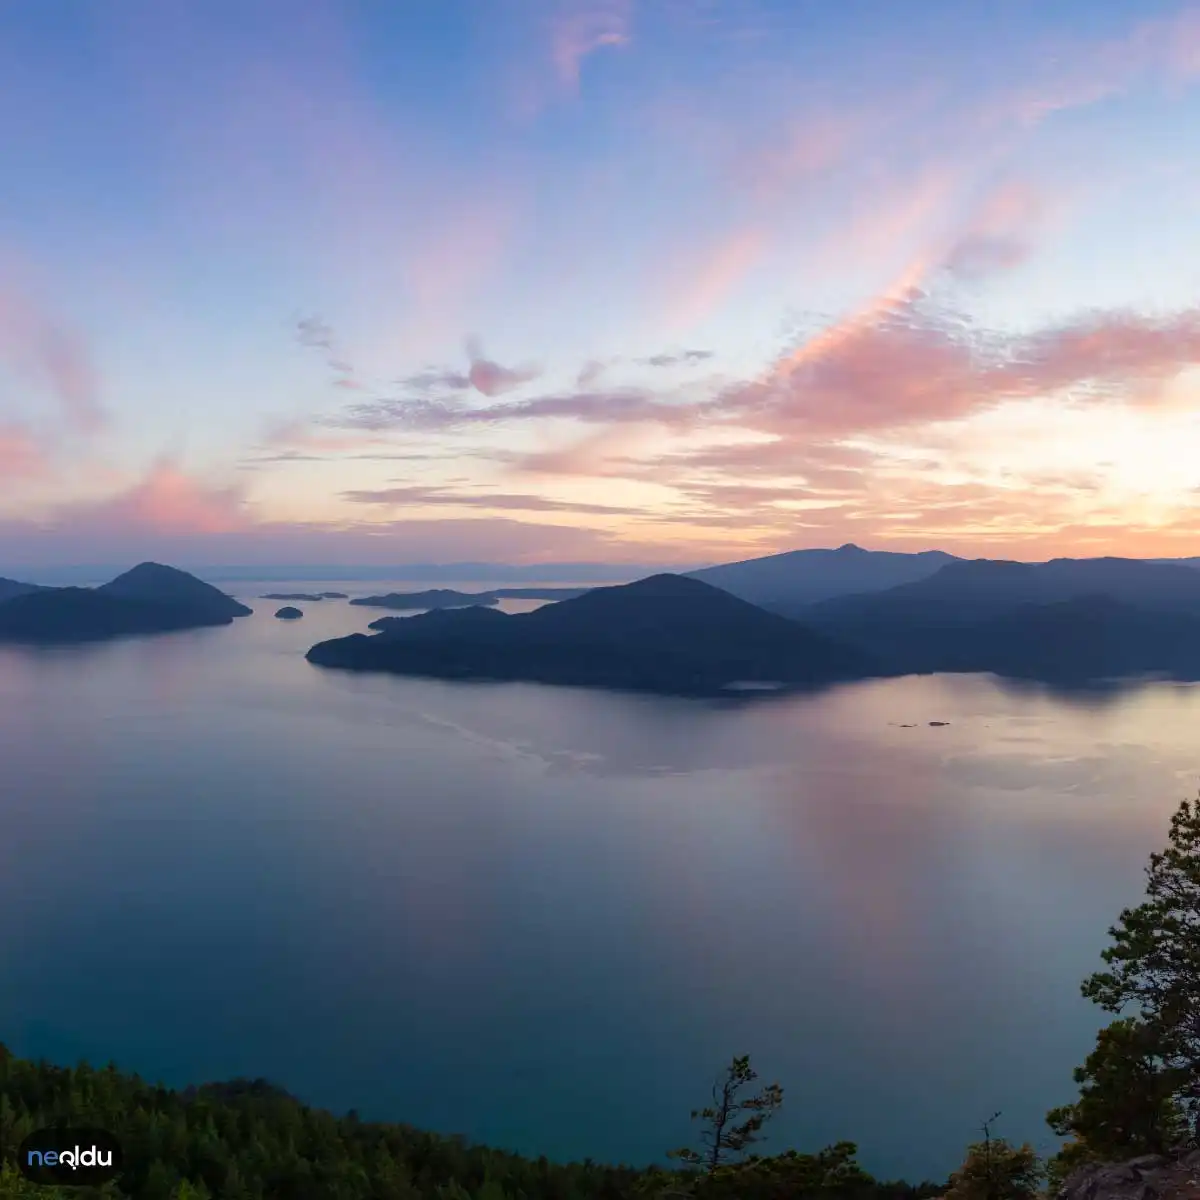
150,598
801,577
666,633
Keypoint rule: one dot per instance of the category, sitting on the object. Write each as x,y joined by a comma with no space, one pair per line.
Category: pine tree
1127,1103
1154,961
729,1131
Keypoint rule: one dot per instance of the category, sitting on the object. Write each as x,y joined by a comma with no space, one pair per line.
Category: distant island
662,634
1069,622
434,598
310,596
449,598
150,598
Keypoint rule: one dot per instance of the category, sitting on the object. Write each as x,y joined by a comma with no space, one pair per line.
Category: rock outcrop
1152,1177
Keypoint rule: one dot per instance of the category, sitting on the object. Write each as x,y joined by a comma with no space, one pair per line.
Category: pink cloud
274,140
616,405
810,146
886,369
582,30
493,379
463,245
911,363
421,496
92,537
168,501
21,458
899,360
1108,350
46,351
1162,49
299,437
605,451
700,291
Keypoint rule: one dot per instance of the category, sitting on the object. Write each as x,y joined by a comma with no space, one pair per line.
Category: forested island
1068,622
661,634
433,598
149,598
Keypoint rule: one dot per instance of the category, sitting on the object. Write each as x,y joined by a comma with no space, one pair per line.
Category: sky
670,281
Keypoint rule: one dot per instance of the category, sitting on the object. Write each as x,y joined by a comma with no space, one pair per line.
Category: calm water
545,918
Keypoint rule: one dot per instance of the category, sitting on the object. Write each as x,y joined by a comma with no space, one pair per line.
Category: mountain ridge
666,633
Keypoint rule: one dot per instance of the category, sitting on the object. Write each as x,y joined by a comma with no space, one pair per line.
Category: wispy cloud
166,500
1000,235
682,358
21,457
581,29
316,334
699,290
618,405
900,360
914,362
589,373
416,496
1163,50
179,518
490,377
49,352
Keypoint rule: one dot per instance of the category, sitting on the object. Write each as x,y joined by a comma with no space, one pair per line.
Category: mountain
1082,640
11,587
149,599
666,633
154,583
1067,620
87,614
1086,638
801,577
973,590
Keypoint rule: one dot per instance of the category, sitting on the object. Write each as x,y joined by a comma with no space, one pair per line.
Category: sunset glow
666,281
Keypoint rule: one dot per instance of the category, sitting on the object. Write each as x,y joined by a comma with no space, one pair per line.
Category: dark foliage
661,634
248,1139
150,598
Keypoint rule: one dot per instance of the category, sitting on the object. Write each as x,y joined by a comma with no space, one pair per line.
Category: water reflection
489,908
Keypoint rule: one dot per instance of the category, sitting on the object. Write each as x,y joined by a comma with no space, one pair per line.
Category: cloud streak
581,30
490,377
416,496
49,353
618,405
21,457
683,358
